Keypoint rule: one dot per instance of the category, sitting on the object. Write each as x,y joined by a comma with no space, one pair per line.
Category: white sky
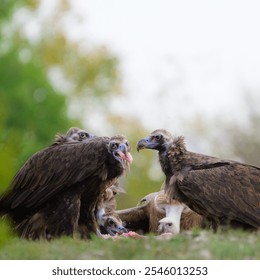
182,56
185,56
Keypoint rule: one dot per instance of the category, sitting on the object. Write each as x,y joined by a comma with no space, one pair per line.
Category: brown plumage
139,218
223,191
108,220
62,184
40,225
154,207
191,219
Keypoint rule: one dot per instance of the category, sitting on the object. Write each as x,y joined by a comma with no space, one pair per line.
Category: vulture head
74,134
119,148
166,225
147,199
108,220
110,223
159,140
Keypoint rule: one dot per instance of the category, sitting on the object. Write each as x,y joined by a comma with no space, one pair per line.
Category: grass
225,245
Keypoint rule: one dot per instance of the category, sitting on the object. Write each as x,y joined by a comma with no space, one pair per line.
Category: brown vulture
108,220
223,191
62,184
38,226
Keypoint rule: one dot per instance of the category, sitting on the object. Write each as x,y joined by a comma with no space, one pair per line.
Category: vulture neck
177,153
174,213
165,163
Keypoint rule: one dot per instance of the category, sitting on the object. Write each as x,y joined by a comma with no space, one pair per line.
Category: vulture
225,192
166,225
38,226
189,220
156,208
59,186
73,135
108,220
110,223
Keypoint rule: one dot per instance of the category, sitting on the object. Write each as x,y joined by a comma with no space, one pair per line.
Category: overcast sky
185,57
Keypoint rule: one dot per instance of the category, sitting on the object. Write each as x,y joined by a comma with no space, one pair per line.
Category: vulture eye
113,145
110,222
83,135
158,137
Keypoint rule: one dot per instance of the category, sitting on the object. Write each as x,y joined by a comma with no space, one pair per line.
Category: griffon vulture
153,208
76,174
223,191
189,220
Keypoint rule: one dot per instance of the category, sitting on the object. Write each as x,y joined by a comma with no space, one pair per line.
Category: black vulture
61,184
223,191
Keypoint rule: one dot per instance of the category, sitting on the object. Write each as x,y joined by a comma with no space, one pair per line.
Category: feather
61,184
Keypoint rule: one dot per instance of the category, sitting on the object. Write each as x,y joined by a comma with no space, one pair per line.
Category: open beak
120,230
123,155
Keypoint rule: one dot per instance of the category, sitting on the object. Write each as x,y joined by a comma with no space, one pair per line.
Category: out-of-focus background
129,67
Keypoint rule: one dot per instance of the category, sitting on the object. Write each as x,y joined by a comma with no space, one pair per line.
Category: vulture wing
222,190
50,170
135,218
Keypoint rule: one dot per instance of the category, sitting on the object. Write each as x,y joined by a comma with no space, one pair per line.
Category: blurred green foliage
31,111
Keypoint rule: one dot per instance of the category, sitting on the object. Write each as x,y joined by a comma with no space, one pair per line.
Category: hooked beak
146,143
119,229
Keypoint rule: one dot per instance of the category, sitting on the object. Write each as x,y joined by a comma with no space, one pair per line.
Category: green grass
237,245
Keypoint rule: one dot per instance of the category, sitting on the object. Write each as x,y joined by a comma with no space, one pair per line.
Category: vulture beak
112,226
146,143
122,154
114,230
